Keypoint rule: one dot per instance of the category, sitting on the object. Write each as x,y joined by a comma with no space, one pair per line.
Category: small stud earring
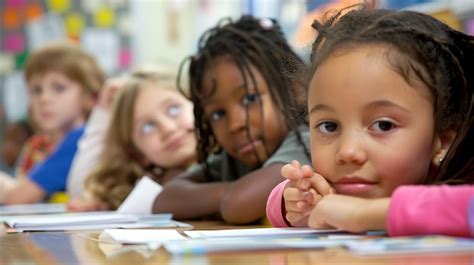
158,171
440,160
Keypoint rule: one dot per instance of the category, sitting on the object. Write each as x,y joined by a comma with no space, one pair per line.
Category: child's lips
174,144
354,185
46,115
248,147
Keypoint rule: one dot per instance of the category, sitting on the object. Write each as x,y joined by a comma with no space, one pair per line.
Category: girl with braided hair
250,120
398,114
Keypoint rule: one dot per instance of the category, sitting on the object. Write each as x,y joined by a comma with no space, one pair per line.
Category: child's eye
383,126
249,98
59,88
174,110
327,127
36,90
216,115
147,128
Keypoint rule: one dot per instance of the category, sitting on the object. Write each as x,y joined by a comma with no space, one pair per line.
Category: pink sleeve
274,206
417,210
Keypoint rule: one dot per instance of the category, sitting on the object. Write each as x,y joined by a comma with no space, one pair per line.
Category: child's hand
302,192
349,213
83,205
109,90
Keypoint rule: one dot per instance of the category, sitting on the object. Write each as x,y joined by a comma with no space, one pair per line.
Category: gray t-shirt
223,167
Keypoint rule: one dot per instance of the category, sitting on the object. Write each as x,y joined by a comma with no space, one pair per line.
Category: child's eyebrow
385,103
321,107
210,99
373,104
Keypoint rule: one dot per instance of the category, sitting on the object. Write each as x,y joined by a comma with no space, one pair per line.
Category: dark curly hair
421,48
248,42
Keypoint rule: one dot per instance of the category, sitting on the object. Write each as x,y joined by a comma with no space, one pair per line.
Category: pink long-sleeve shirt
275,212
446,210
414,210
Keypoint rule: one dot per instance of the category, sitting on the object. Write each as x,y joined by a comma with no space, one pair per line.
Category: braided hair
421,48
248,42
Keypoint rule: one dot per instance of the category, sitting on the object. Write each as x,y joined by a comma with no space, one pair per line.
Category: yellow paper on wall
59,6
74,23
104,17
447,16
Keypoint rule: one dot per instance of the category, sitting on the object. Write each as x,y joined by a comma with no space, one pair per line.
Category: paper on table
257,232
115,249
141,236
40,208
140,200
71,219
87,227
203,246
410,244
142,223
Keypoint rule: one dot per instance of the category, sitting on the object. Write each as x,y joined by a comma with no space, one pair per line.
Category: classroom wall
166,31
127,33
100,27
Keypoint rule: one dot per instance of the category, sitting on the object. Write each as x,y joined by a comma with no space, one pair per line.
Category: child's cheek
397,169
321,163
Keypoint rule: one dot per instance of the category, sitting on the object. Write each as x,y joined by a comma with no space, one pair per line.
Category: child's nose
167,127
351,149
236,119
45,96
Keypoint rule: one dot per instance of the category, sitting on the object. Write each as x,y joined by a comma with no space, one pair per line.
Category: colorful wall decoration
99,26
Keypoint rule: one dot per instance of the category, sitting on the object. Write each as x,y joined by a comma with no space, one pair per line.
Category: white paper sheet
15,96
203,246
39,208
410,244
94,227
48,28
104,46
141,236
140,200
257,232
68,219
114,250
7,63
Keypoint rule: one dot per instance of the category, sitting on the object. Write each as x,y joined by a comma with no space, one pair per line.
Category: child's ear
443,142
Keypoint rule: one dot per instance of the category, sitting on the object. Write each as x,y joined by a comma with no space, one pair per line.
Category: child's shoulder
221,166
292,148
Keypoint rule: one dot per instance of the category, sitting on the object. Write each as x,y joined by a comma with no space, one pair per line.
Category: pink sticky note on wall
470,26
14,43
15,3
125,58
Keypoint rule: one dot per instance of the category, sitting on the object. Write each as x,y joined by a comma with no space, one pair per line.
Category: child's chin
251,161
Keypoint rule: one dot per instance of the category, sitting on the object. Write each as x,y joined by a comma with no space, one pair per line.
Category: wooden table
84,248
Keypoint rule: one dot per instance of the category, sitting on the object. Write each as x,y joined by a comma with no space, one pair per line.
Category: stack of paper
40,208
140,236
200,242
203,246
208,241
85,221
413,244
258,232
